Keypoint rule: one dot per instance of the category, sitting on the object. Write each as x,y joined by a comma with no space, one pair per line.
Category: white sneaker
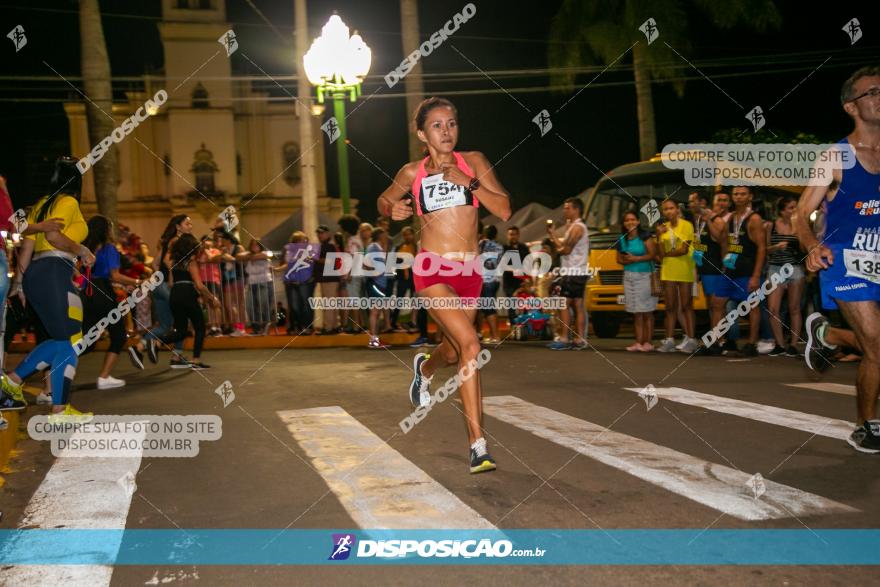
44,399
680,346
420,388
766,346
667,345
689,346
109,382
375,343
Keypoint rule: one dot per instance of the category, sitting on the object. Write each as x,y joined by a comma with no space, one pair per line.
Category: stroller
531,323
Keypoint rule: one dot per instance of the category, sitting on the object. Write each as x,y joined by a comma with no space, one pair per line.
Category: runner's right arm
25,252
393,201
206,294
716,227
818,255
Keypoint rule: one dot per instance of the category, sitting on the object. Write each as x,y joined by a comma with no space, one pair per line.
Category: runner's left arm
491,193
115,275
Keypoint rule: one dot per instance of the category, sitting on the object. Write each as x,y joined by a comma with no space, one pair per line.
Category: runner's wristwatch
474,185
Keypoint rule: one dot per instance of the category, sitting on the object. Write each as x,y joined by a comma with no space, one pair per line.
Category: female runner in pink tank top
446,189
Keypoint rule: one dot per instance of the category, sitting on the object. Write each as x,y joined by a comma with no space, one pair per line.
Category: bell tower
199,109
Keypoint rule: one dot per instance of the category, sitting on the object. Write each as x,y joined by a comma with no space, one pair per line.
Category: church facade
215,142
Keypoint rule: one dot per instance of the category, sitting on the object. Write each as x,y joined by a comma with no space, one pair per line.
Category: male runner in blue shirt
848,257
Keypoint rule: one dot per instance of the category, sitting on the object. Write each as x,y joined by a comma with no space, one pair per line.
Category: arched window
204,169
200,96
291,163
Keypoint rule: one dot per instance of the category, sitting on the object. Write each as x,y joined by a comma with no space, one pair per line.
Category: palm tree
584,31
414,84
95,67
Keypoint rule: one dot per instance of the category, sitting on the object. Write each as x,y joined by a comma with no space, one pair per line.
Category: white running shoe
109,382
667,345
375,343
765,347
680,346
44,399
420,388
690,345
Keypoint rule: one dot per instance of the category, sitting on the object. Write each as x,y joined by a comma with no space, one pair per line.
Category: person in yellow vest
46,264
676,236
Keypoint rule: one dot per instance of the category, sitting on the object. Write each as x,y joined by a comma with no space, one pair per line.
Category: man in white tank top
574,253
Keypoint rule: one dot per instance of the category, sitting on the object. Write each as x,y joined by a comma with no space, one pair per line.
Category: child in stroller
531,323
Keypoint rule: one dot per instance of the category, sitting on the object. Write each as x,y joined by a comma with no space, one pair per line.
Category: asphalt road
575,449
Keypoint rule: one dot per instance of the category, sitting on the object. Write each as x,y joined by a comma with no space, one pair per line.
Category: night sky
600,122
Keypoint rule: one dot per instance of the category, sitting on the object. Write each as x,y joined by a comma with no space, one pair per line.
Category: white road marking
840,388
377,486
716,486
830,427
81,494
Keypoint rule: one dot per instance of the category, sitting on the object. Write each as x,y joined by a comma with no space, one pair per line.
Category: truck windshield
611,201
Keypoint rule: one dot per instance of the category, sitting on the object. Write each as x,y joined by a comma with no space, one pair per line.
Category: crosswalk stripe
716,486
378,487
83,493
840,388
820,425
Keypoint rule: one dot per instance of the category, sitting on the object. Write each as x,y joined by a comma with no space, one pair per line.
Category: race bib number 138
863,264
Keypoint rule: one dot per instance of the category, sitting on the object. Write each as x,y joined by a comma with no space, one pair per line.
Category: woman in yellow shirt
677,274
46,262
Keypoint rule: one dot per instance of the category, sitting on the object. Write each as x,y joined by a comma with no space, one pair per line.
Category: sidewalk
269,341
281,340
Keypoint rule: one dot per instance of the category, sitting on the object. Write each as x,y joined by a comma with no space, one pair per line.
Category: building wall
150,192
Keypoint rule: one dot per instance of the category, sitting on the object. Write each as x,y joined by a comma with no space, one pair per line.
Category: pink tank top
433,193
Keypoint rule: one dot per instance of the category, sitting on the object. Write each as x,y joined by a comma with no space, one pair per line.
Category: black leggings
49,290
99,305
185,308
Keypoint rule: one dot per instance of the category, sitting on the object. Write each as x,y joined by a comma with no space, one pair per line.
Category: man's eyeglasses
873,92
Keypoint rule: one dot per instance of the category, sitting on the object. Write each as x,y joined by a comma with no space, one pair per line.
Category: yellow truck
630,187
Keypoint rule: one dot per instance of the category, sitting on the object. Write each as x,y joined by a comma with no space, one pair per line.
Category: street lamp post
336,64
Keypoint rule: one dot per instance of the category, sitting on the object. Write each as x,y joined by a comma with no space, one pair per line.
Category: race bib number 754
863,264
439,193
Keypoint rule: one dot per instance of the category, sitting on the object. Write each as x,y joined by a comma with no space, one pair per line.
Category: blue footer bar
427,547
